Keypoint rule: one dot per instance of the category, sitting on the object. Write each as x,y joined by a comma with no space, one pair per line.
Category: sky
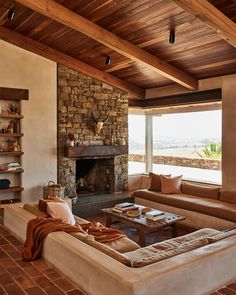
205,125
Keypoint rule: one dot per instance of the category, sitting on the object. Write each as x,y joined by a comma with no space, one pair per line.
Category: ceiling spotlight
11,13
108,60
172,37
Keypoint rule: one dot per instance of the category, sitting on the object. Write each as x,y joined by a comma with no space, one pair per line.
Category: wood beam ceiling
214,18
190,98
68,18
61,58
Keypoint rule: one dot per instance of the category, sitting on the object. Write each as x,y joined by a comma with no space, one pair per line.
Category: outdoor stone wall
210,164
78,97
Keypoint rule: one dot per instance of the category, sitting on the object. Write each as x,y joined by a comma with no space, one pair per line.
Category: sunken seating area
142,270
204,205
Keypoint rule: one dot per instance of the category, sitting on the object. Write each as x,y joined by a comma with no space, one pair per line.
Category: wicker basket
53,190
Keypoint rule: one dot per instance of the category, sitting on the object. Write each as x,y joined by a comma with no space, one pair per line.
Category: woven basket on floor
53,190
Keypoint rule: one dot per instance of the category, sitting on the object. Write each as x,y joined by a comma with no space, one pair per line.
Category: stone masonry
80,96
210,164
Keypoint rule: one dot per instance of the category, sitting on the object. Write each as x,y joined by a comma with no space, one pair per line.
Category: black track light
11,13
172,37
108,60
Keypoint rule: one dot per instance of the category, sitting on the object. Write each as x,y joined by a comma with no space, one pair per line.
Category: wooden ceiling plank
61,58
68,18
213,17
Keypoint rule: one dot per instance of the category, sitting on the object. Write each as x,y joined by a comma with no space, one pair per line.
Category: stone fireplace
97,164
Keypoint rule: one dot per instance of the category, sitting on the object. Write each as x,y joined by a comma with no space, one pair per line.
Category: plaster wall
22,69
229,132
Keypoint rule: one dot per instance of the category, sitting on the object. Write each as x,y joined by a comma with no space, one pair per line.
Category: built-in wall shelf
12,171
9,116
5,203
11,143
11,153
11,134
13,189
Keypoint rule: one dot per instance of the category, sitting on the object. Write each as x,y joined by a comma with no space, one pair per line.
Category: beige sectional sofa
202,205
195,264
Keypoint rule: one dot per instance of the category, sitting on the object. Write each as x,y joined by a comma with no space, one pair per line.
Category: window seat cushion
217,208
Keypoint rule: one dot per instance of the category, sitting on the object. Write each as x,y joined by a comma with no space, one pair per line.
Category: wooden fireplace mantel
96,151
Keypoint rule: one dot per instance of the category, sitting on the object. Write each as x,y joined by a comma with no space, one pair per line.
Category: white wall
21,69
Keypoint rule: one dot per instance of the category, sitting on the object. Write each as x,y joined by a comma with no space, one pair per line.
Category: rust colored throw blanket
101,233
40,227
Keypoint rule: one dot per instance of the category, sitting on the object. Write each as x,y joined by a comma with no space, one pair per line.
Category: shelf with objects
11,144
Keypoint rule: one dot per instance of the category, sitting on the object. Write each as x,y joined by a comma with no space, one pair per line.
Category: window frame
149,114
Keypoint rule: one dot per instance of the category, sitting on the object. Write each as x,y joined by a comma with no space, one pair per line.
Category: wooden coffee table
142,224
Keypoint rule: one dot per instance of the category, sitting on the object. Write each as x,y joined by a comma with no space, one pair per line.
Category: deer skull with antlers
99,124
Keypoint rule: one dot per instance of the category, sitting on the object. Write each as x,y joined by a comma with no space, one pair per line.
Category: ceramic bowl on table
133,213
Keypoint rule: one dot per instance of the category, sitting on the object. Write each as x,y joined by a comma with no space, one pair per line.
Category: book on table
124,209
154,213
124,205
157,218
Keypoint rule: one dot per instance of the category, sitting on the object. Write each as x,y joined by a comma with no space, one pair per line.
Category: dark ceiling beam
189,98
212,16
61,58
71,19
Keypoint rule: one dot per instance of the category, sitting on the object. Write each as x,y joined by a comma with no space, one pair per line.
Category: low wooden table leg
141,238
108,220
174,231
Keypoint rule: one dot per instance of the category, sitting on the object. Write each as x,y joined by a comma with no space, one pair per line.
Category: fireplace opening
83,168
93,176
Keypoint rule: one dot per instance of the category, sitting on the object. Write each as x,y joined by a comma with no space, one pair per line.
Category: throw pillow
62,211
171,185
155,182
43,202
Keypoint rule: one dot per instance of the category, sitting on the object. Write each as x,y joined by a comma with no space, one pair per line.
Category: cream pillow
62,211
171,185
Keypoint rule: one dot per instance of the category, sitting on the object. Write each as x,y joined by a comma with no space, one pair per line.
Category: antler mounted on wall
99,124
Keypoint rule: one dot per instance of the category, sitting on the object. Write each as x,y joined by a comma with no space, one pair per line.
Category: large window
187,144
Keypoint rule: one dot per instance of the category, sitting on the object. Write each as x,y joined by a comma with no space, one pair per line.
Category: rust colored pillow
155,182
171,185
43,203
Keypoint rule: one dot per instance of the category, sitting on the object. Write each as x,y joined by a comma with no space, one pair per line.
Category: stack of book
124,207
12,166
155,215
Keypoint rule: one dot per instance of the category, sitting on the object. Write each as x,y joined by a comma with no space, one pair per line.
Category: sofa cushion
170,248
226,211
155,181
170,185
228,196
33,208
80,220
199,190
221,236
89,240
123,245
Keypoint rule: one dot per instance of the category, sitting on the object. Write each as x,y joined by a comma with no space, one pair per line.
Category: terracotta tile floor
33,278
39,277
